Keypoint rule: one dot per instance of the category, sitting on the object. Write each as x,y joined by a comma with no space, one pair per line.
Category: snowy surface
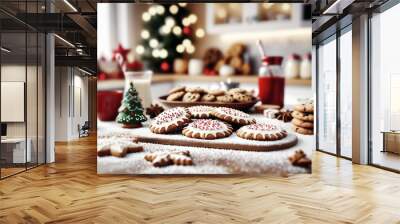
206,160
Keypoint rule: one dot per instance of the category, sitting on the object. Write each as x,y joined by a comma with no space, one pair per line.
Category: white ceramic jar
195,67
305,67
292,67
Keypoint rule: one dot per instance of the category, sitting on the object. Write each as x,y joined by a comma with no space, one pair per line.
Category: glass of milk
142,82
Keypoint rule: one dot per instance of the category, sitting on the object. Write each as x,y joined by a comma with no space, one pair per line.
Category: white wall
71,96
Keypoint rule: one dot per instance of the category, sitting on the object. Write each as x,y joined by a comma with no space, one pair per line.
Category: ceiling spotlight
84,71
70,5
64,40
5,50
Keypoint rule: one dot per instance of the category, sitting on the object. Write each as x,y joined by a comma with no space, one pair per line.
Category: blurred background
204,44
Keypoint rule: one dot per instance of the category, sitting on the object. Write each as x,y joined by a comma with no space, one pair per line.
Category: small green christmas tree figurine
131,110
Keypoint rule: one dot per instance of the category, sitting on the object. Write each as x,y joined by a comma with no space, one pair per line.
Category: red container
271,90
108,103
271,82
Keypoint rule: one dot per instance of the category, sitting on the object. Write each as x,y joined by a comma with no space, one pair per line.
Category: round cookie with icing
170,121
233,116
207,129
200,111
261,132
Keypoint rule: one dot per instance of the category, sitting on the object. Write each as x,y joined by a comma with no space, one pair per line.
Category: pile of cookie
198,94
205,122
303,118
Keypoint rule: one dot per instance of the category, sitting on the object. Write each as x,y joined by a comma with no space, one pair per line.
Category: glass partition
22,77
346,93
327,96
385,89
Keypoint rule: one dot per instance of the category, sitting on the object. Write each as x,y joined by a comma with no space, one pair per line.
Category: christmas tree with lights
131,110
168,33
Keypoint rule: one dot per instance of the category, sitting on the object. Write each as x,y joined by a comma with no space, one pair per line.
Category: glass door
385,89
345,92
326,96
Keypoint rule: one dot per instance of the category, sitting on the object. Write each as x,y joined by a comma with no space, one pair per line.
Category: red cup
271,90
108,103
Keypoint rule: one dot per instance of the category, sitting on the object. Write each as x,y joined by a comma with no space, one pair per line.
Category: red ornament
120,54
210,72
165,67
187,31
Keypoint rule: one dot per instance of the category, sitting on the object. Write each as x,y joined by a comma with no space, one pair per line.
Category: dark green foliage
131,110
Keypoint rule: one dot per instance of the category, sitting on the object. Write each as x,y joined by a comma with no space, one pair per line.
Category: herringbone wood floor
69,191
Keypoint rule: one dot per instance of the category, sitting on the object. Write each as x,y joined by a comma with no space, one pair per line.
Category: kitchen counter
168,78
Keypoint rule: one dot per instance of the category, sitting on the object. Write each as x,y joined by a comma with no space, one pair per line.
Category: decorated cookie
170,121
261,132
191,97
208,98
305,107
207,129
175,96
200,111
225,99
302,124
303,116
303,131
177,89
216,92
194,90
233,116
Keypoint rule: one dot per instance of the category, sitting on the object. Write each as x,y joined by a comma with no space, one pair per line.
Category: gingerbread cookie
194,90
207,129
304,107
302,124
175,96
170,121
233,116
200,111
160,159
177,89
191,97
225,99
299,158
119,149
242,98
216,92
303,131
262,132
303,116
208,98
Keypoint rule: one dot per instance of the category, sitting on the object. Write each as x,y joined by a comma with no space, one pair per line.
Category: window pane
385,84
327,96
346,94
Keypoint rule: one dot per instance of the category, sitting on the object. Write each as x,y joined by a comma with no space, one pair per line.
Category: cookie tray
232,142
238,106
